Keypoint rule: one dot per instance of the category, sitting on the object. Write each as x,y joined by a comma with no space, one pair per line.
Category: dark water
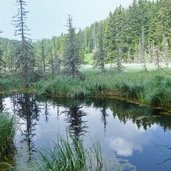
132,137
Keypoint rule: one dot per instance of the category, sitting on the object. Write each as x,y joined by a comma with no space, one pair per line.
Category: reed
7,132
70,156
151,88
10,82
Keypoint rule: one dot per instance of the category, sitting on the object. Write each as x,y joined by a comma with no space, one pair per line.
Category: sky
48,18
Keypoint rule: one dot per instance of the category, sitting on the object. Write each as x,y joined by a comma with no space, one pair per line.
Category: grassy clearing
70,156
7,132
88,58
151,88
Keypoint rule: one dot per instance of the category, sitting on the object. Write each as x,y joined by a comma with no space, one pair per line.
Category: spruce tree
43,57
2,63
165,48
24,53
56,60
143,49
119,38
99,54
71,52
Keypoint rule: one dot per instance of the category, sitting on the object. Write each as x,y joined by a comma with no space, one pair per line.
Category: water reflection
46,111
77,126
28,110
1,104
132,133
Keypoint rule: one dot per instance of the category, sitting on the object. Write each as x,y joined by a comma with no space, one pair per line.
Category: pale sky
48,18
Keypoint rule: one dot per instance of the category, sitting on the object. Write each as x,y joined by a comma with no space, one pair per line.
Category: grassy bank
7,132
152,88
70,155
10,83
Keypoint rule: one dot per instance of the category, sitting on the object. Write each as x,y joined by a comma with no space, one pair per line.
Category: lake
133,137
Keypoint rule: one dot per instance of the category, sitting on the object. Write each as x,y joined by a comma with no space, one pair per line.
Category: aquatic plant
7,132
70,155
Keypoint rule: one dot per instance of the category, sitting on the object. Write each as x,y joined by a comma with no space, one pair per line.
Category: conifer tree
99,55
71,52
43,56
143,49
24,53
165,48
56,60
119,37
2,63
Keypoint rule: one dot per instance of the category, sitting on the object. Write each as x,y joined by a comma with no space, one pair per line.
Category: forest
126,56
138,34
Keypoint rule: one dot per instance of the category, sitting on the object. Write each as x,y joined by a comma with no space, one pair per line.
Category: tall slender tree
143,49
72,59
165,48
2,63
43,57
99,55
24,53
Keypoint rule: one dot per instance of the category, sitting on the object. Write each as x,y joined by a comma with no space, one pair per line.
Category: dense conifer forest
140,33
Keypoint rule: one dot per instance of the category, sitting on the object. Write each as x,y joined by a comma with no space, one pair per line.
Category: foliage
71,52
135,86
10,82
7,132
2,63
99,55
24,52
140,33
70,155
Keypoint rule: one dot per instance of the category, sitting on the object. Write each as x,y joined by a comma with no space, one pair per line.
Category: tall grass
70,156
9,82
152,87
7,132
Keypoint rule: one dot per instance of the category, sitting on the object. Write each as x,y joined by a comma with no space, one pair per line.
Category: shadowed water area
132,137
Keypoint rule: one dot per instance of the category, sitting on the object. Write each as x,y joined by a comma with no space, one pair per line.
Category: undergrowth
152,87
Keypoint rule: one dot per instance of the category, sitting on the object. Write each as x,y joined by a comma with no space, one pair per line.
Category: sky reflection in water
132,137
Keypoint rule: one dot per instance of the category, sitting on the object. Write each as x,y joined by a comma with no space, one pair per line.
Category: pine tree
99,55
119,38
43,56
2,63
157,63
56,60
165,48
109,40
24,53
143,49
51,61
71,52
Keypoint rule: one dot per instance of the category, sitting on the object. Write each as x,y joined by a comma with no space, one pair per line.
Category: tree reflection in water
77,120
28,110
1,104
77,126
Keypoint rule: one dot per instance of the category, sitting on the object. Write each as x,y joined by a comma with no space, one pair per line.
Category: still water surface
132,137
